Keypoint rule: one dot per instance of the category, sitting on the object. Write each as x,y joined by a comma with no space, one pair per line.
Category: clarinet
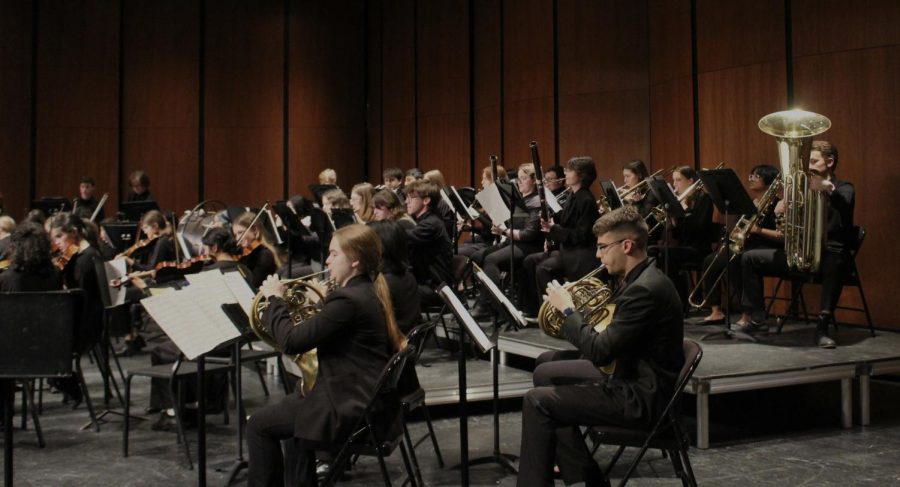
539,179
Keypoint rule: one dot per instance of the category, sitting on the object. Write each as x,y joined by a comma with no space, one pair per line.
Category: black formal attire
145,259
694,233
408,313
4,248
261,262
529,240
835,259
14,280
714,264
80,273
350,335
138,197
448,216
577,254
644,338
645,206
431,255
85,208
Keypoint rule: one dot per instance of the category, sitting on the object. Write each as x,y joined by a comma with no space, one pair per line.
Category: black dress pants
538,271
266,429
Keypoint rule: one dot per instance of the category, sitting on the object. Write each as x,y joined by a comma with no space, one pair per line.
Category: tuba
591,297
303,296
804,214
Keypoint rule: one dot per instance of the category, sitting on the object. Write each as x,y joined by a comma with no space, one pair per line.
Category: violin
249,249
139,245
61,260
171,264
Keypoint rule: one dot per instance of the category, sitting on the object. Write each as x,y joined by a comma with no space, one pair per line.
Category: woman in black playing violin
258,254
222,252
156,246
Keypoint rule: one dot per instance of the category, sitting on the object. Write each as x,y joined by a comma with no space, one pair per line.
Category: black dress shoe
823,341
753,327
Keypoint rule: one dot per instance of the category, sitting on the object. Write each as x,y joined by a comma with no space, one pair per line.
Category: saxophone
304,296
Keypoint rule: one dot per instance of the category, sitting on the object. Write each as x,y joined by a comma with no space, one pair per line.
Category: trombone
624,192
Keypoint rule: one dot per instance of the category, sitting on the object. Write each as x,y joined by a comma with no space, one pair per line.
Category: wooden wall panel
821,26
399,84
859,95
374,18
327,93
161,95
603,96
487,64
443,89
77,92
739,33
16,24
671,84
528,80
244,103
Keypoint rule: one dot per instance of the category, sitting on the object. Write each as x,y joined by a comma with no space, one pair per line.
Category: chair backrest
38,333
860,233
417,336
692,355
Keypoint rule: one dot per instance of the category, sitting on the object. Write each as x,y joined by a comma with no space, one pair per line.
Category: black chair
374,433
798,280
176,374
415,399
666,435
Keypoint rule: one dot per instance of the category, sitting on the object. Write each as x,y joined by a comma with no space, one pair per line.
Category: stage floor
791,358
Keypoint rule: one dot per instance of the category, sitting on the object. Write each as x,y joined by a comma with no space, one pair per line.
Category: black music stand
612,194
318,190
321,225
730,197
671,208
134,210
52,205
342,217
241,322
122,235
26,353
469,327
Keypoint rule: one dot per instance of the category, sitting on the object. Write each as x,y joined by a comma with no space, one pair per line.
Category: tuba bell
591,297
804,207
304,296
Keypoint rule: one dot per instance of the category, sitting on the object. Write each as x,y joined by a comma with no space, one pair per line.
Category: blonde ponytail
398,340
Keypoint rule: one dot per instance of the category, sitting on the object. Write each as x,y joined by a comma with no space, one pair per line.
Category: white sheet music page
240,290
449,203
493,204
116,269
552,202
473,213
481,339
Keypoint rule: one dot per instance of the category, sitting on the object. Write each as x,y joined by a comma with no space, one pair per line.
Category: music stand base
103,414
729,334
505,460
235,470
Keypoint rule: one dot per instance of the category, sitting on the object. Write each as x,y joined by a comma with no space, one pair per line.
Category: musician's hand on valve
779,208
820,184
558,296
272,286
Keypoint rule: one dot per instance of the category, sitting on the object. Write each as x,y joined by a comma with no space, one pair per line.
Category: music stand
26,353
134,210
469,327
728,194
612,194
318,190
671,208
122,235
52,205
242,322
342,217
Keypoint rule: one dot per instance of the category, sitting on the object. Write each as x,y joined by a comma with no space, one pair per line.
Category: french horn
304,297
591,297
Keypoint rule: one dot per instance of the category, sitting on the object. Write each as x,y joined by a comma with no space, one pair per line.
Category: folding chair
373,434
415,399
667,434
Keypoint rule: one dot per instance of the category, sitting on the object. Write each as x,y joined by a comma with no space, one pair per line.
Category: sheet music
240,290
206,277
473,213
116,269
499,296
552,202
493,204
462,313
193,317
449,203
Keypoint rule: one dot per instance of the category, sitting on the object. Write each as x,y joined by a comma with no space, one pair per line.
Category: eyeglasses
754,176
557,180
602,248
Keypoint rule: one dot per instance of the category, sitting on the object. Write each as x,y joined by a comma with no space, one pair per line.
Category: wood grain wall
246,101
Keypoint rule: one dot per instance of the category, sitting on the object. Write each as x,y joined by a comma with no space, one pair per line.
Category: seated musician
259,255
430,248
835,257
393,180
555,181
361,202
693,234
140,187
413,174
328,176
76,258
85,204
645,341
400,279
388,206
763,235
355,334
222,252
633,173
334,198
526,232
482,236
571,231
303,243
443,209
30,267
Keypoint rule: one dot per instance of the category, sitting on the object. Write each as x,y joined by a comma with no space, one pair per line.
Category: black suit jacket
405,298
839,216
430,250
574,233
644,338
351,339
80,273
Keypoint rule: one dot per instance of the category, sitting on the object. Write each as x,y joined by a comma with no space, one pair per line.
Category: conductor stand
730,198
484,344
